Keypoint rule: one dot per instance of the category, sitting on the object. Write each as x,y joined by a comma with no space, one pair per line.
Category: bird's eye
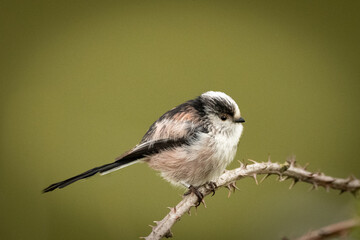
223,117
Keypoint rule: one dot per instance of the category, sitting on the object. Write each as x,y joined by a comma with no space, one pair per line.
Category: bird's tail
140,151
104,169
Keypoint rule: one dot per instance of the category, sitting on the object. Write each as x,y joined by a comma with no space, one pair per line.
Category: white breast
199,162
226,146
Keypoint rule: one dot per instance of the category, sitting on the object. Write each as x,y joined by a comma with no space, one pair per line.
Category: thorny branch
287,170
338,229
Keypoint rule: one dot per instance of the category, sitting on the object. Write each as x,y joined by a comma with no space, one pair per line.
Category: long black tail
141,151
87,174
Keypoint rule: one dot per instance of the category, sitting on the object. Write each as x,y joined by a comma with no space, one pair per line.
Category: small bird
190,145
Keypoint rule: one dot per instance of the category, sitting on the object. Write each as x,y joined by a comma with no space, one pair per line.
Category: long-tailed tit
189,145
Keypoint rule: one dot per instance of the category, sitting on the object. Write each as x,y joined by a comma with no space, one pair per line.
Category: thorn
172,209
279,176
293,183
156,222
327,188
265,177
231,188
305,166
242,165
189,212
314,186
234,186
282,178
142,237
253,161
245,165
152,227
269,159
292,161
229,193
203,202
256,181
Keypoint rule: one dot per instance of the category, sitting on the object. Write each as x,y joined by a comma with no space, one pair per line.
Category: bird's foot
211,186
195,190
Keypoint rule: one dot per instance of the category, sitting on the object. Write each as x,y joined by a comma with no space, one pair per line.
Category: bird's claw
195,190
211,186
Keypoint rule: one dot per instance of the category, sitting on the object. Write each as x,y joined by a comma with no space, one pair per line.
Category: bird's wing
176,127
179,122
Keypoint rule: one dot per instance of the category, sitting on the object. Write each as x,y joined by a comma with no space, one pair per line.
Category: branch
337,229
228,179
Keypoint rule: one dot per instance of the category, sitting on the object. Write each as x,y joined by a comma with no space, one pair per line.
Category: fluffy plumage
190,145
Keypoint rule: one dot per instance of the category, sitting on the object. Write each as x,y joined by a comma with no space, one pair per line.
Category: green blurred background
81,82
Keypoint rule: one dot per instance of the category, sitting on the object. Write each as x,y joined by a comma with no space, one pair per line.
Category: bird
190,145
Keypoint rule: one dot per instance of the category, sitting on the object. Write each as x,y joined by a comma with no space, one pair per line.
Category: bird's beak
239,120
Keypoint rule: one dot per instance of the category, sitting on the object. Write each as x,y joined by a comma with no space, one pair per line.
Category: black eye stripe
220,105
